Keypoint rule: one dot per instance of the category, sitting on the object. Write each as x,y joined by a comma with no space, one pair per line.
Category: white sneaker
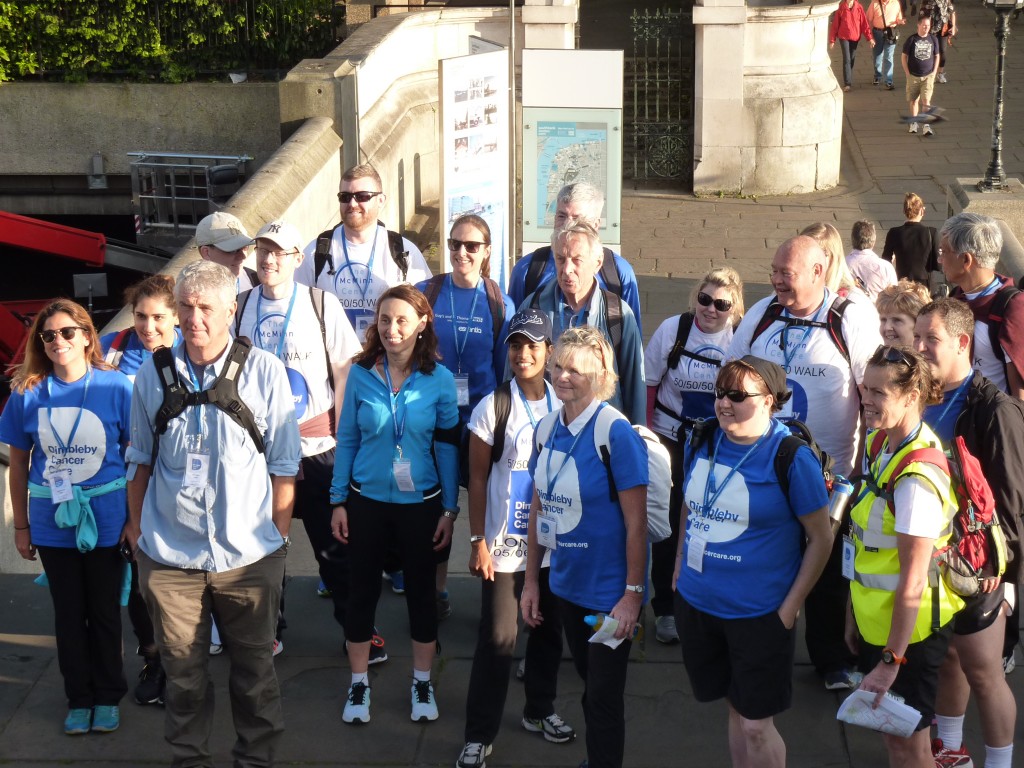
473,755
928,131
913,128
357,705
942,77
665,630
424,707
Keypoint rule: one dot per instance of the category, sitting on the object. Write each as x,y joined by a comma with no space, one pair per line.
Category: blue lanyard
550,448
990,288
529,410
787,354
876,475
455,325
393,396
954,398
576,319
711,492
198,388
78,417
363,289
260,318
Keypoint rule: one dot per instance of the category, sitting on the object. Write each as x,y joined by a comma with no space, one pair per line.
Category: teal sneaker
77,722
105,719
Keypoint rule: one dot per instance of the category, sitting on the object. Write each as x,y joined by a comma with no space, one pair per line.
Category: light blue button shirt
229,523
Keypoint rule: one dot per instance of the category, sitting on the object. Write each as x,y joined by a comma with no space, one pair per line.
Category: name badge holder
61,487
197,463
848,553
462,389
695,547
461,379
547,528
402,469
400,466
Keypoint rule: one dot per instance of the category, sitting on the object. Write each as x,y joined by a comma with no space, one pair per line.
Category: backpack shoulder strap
610,274
316,298
433,288
700,436
927,455
240,303
118,346
772,313
224,392
682,334
835,327
613,317
538,262
496,301
322,255
399,253
175,393
997,314
603,420
784,460
544,429
502,409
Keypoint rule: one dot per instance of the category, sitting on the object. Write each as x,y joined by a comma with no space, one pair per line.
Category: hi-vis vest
876,562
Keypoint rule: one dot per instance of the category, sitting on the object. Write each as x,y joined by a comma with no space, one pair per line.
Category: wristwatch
451,512
475,539
638,588
889,657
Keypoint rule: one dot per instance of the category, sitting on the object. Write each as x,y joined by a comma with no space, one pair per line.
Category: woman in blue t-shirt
743,569
598,545
67,423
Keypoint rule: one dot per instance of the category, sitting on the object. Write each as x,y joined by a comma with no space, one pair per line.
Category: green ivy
170,40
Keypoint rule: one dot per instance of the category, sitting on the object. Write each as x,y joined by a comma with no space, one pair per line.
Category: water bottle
842,492
596,620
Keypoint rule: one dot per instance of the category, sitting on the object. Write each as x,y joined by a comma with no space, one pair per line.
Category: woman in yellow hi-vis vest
901,610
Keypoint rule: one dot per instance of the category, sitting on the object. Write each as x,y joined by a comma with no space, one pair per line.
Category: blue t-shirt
95,456
588,565
135,354
753,551
941,417
481,359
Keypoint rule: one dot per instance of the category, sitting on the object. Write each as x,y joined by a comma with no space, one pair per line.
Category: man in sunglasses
581,201
823,342
360,258
222,239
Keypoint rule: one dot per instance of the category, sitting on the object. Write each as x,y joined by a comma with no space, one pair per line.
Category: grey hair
587,349
201,278
976,234
863,235
581,228
586,194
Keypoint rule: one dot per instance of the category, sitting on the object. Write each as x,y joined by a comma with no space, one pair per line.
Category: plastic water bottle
595,620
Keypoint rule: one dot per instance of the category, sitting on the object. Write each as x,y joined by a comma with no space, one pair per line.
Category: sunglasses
471,246
359,197
736,395
722,305
68,333
895,355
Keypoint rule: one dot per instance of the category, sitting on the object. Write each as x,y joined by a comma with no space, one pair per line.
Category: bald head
798,275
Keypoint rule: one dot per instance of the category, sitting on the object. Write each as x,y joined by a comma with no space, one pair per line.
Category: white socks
951,731
998,757
362,677
421,676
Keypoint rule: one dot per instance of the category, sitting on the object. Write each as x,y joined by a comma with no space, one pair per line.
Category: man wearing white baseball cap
223,239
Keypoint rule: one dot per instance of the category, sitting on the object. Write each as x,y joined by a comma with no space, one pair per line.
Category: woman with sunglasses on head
395,484
680,365
898,623
471,315
67,424
746,525
597,541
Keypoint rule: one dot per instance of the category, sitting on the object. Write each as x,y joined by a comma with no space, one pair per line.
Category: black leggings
374,527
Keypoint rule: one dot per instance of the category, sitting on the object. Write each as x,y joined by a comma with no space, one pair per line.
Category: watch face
888,657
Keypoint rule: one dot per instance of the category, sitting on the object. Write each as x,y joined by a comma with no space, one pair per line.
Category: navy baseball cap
532,323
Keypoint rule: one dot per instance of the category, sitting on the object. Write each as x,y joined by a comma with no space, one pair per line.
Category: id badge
695,547
547,527
403,474
462,389
61,488
363,320
197,463
848,552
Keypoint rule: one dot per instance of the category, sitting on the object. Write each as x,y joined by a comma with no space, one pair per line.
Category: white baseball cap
282,234
223,231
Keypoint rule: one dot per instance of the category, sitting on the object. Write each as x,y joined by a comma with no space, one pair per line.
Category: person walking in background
872,273
912,247
849,24
943,16
885,16
920,62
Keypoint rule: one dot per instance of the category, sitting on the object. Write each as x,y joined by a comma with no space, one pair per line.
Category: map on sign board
569,153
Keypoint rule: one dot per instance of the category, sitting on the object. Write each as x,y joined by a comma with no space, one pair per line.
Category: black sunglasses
359,197
736,395
471,246
722,305
895,355
68,333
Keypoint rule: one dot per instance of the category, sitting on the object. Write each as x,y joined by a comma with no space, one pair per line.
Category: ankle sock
362,677
998,757
421,676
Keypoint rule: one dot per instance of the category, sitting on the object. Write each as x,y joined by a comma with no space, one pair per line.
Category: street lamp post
995,178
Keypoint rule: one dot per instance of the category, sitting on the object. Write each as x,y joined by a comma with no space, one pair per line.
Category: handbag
891,35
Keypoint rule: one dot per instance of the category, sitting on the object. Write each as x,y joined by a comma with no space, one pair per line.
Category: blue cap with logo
532,323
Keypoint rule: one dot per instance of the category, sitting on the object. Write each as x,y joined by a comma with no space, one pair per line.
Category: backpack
659,466
997,314
223,394
502,410
322,255
539,262
833,323
252,274
117,347
495,300
799,436
679,350
316,296
977,548
612,317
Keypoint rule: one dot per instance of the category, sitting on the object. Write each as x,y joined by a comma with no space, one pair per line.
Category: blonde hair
837,274
905,298
729,279
587,350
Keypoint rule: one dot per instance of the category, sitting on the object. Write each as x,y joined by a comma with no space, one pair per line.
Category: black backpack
833,323
322,256
495,301
539,262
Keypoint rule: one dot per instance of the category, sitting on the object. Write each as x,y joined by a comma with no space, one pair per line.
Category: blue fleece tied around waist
78,513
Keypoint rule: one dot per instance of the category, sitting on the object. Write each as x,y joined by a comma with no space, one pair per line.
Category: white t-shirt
302,350
509,487
986,361
918,508
824,385
687,389
875,273
362,276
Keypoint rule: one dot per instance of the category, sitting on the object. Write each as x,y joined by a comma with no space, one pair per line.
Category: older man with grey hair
581,201
969,252
211,481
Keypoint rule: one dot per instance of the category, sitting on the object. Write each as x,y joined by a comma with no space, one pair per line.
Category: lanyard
455,326
876,475
787,354
363,289
198,388
393,396
529,410
711,493
954,398
550,447
576,319
260,317
78,417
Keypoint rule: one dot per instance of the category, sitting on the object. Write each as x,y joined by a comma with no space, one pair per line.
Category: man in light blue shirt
210,504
